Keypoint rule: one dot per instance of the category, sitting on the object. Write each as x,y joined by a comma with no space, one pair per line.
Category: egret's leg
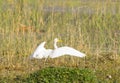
45,61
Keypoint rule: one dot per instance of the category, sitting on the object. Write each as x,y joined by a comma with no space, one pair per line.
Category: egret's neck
55,44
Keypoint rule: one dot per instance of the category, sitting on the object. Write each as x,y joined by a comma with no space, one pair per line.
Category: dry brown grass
96,34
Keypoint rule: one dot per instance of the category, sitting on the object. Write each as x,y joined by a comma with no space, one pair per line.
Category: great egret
42,52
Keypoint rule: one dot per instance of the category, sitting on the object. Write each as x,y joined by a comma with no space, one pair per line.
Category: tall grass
91,27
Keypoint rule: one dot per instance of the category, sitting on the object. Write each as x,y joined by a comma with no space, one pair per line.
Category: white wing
39,52
66,51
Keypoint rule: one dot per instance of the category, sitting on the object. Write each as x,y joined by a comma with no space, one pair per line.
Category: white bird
42,52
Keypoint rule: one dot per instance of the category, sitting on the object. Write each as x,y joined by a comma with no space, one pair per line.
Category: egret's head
57,40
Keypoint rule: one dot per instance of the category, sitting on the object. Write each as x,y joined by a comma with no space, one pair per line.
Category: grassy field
93,27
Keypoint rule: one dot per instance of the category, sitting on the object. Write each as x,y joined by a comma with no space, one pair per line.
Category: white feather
66,51
42,52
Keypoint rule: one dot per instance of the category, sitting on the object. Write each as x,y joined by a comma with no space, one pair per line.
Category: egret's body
42,52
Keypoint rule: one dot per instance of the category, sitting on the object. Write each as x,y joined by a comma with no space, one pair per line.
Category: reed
91,27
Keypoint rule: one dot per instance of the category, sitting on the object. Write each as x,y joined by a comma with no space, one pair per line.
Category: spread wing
66,51
39,52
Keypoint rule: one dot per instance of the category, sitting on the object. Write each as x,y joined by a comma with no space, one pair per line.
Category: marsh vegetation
93,27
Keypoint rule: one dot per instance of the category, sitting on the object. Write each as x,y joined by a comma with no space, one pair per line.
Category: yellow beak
59,40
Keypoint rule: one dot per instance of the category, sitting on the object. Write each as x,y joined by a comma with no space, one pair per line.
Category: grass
57,74
62,75
87,26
